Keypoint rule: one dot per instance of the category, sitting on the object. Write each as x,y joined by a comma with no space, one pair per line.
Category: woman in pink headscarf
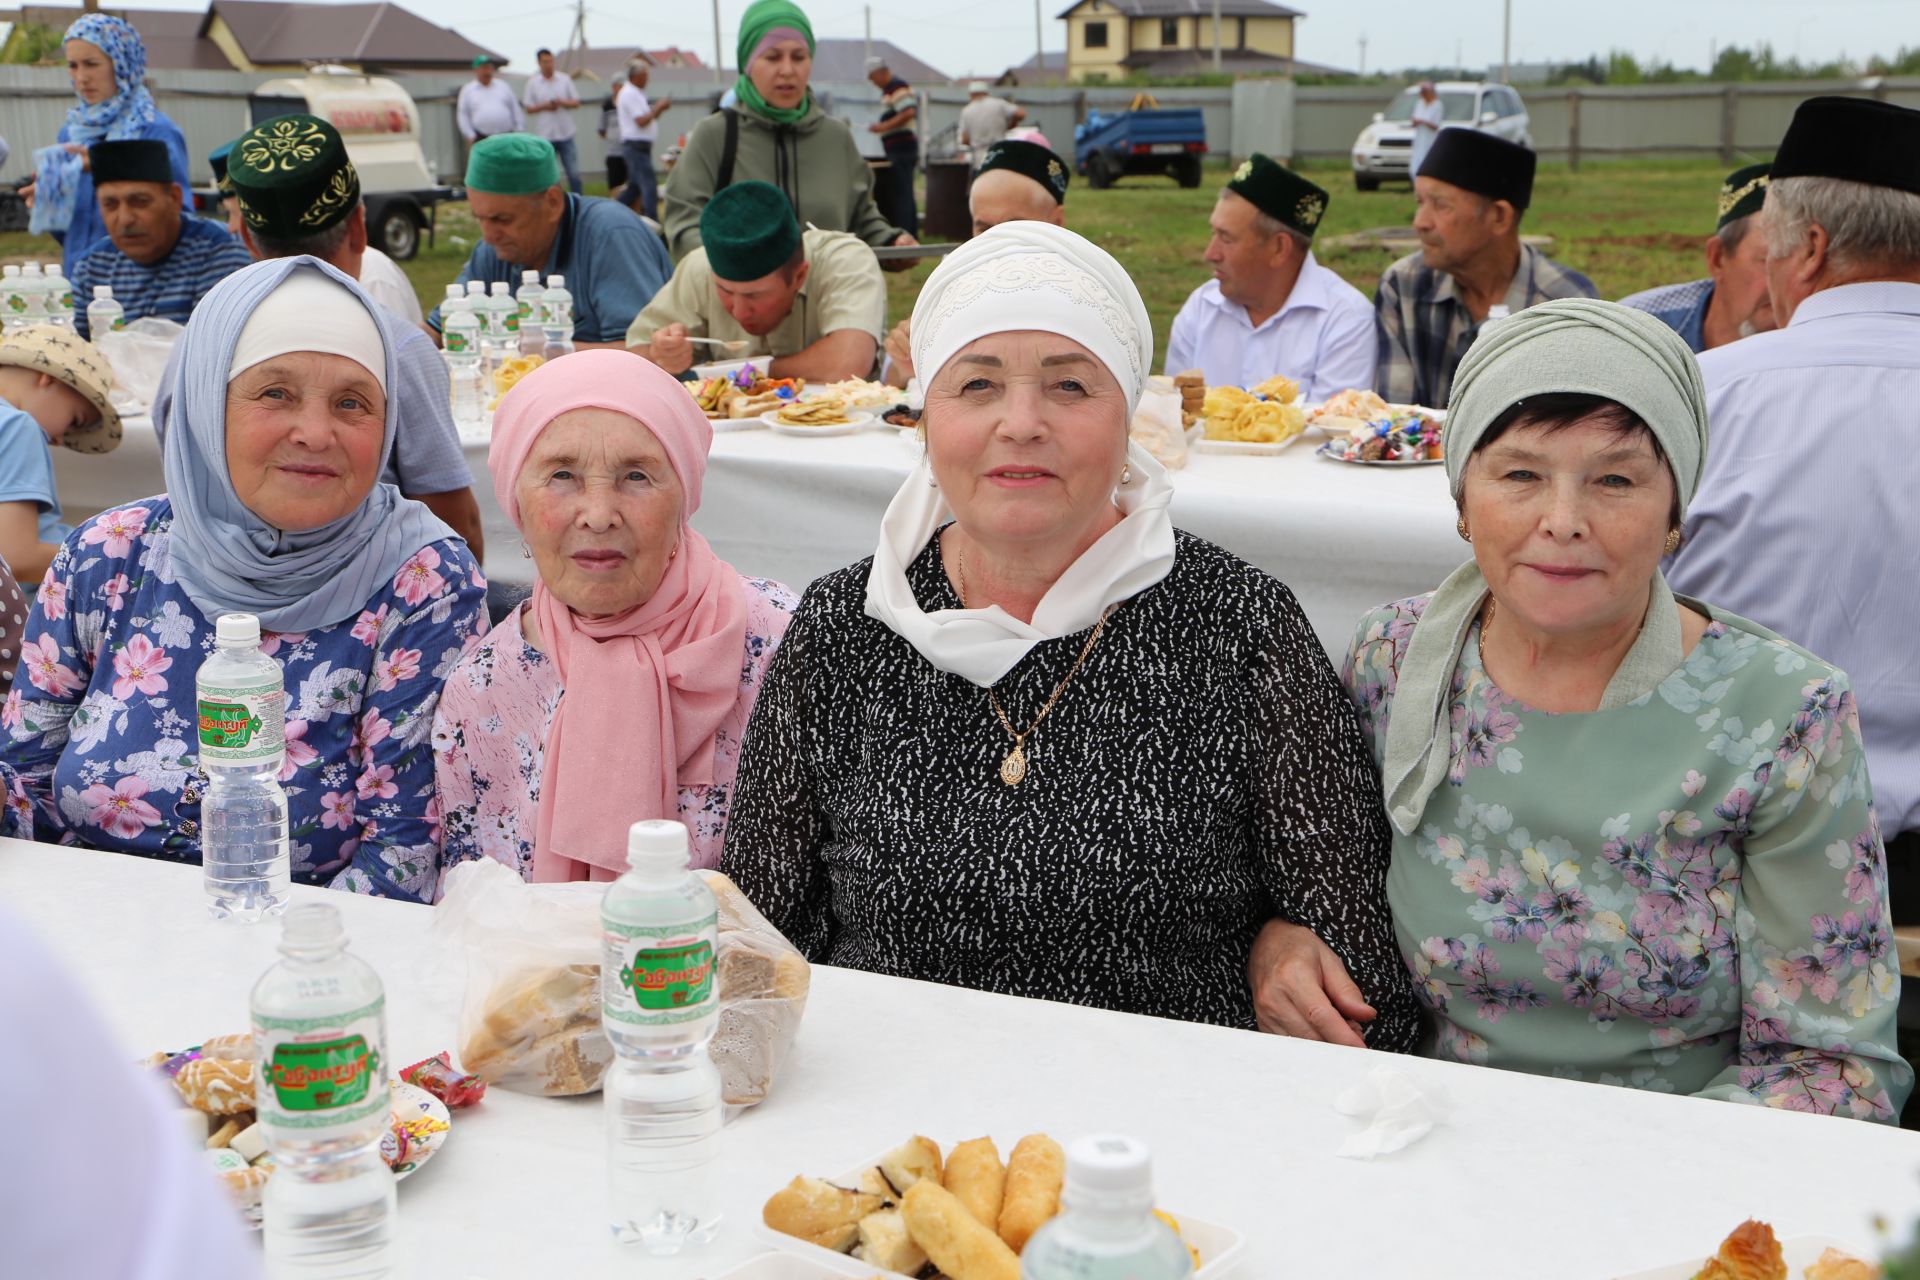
599,462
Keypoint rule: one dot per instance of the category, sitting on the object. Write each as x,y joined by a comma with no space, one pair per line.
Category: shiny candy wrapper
438,1076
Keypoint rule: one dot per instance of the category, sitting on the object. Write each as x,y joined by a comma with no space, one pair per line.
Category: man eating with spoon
813,303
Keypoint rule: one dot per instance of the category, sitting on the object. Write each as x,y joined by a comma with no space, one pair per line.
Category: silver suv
1385,147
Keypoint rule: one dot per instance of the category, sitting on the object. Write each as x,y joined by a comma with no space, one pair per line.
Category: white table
1531,1177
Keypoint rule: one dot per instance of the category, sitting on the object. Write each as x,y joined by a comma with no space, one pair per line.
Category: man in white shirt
388,285
487,105
1428,117
1270,308
550,99
985,119
637,132
1807,517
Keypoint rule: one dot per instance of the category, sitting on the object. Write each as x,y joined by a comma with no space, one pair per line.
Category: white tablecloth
1344,538
1531,1177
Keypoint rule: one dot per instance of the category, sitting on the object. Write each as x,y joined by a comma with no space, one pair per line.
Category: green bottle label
17,302
322,1075
242,724
458,341
513,319
658,978
119,324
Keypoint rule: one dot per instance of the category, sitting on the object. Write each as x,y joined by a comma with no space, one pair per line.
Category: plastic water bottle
1106,1229
104,315
243,815
500,315
13,298
320,1028
660,1005
59,297
490,353
460,333
33,286
557,319
529,302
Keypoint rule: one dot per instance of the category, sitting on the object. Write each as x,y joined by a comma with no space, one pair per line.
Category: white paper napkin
1398,1112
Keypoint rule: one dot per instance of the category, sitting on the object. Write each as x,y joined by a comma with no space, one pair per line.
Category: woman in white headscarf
1634,834
1043,743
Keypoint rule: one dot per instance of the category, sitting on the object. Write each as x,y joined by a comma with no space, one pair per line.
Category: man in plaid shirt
1471,193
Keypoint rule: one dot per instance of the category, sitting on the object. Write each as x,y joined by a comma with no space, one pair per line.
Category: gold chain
1014,767
1486,623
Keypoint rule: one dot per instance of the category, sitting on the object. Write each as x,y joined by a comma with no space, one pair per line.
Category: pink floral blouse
495,714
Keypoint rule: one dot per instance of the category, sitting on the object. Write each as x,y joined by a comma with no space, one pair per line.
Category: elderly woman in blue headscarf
281,421
108,66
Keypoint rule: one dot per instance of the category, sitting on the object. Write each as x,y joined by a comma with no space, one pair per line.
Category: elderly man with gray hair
1807,517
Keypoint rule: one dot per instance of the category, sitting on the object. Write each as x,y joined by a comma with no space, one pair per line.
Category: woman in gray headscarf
1634,837
279,428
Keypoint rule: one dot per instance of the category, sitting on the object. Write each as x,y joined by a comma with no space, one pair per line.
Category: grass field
1628,226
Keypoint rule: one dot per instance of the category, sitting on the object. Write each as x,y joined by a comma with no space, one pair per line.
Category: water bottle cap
11,269
499,288
1109,1165
455,291
311,924
237,628
103,291
476,288
529,277
53,268
556,282
655,839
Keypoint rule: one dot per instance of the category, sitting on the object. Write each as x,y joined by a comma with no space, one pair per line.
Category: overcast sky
989,35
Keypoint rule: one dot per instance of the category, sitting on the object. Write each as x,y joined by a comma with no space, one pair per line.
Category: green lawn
1627,225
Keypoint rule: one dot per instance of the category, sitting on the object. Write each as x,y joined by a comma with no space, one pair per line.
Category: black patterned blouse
1202,773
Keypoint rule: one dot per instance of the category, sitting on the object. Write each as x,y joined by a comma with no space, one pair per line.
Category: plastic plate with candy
1400,438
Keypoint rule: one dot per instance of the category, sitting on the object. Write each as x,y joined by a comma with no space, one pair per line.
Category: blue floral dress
100,733
1687,893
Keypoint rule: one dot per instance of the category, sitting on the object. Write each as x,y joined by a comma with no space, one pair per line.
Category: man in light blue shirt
1732,302
1808,511
1270,308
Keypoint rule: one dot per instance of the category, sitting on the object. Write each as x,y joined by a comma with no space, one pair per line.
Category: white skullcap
309,312
1034,275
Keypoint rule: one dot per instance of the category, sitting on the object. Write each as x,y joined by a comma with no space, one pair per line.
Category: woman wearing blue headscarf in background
108,64
280,424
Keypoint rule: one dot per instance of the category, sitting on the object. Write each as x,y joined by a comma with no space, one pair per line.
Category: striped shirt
202,257
896,98
1806,518
1424,328
1681,307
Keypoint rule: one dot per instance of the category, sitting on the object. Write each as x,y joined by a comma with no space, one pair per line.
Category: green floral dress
1687,893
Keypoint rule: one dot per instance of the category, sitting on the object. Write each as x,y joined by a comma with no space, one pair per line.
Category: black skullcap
1279,192
1856,139
1743,193
131,160
1029,160
1483,164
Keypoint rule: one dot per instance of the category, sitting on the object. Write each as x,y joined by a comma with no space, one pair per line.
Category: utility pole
577,41
1363,55
867,52
1506,43
1216,37
1039,45
716,43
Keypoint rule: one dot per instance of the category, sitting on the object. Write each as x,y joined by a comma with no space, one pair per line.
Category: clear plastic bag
139,355
530,1009
1156,423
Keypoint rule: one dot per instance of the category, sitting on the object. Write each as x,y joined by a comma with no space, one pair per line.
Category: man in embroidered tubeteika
1732,301
159,262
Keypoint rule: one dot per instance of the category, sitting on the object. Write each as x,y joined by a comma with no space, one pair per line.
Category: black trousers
896,201
1903,877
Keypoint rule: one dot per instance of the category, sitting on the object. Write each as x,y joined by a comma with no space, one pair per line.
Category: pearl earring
933,481
1126,474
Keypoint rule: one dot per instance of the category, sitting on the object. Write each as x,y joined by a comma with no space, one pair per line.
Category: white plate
1438,415
1245,448
735,424
408,1104
1801,1252
1331,452
721,368
1219,1246
785,1266
857,420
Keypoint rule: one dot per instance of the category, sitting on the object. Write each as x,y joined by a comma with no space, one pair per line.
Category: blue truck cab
1147,139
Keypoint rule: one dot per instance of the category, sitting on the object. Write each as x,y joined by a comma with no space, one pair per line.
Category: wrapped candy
438,1076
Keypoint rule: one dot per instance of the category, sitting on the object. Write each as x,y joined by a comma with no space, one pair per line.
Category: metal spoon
732,347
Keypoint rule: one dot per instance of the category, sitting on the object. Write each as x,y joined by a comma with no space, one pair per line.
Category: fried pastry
819,1212
1750,1252
1035,1172
896,1171
978,1179
886,1243
953,1238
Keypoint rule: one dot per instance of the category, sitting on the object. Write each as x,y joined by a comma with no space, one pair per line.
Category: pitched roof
172,36
834,61
1194,8
1239,62
381,34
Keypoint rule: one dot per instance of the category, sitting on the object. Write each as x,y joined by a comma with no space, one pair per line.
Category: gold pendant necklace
1013,769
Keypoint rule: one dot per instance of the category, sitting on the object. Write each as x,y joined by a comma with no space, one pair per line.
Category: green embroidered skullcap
749,231
512,164
1280,193
293,177
218,159
1743,193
